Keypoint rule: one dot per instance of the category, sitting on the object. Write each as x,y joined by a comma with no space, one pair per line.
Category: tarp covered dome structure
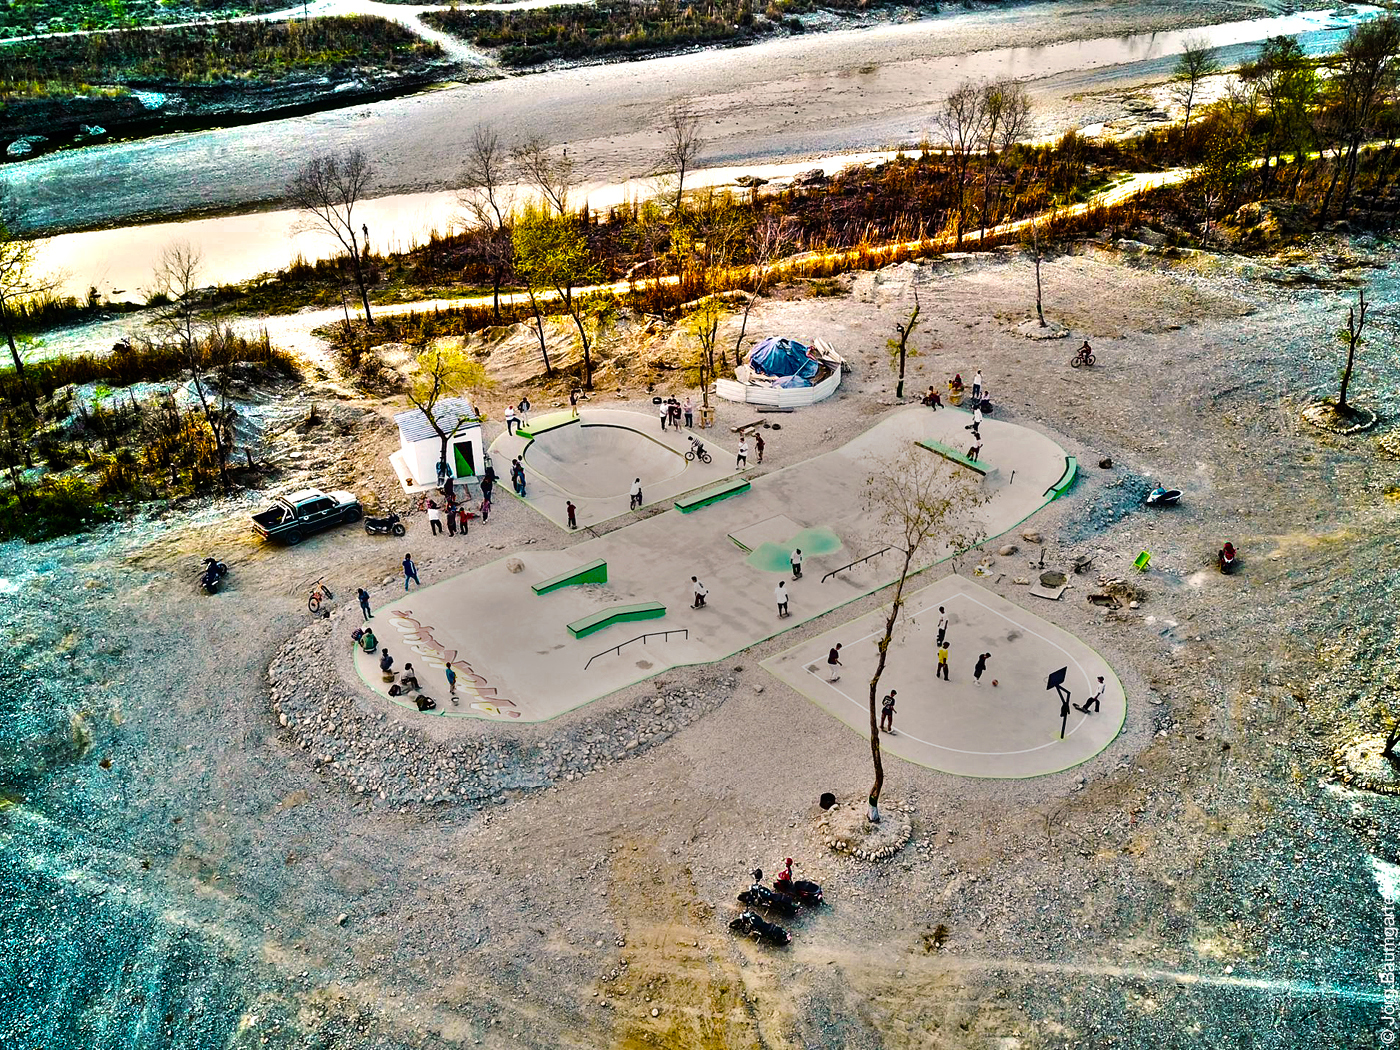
783,372
786,361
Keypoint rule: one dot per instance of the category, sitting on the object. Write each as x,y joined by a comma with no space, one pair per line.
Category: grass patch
54,507
26,17
257,52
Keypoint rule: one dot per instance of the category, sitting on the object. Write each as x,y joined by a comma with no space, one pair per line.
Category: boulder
514,565
24,145
1031,537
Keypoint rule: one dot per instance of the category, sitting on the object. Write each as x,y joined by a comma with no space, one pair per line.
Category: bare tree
1363,76
1035,249
960,122
683,145
1008,109
1350,337
704,325
911,501
554,177
328,187
769,239
177,276
1193,65
899,348
441,373
487,198
18,282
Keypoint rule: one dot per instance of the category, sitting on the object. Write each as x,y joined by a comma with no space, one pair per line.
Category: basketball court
1008,730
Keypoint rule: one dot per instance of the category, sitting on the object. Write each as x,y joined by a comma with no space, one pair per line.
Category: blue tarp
786,360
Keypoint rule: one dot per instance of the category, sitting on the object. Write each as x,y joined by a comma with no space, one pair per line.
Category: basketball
994,681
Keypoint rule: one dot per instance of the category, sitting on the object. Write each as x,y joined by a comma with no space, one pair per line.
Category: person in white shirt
796,559
977,386
742,460
700,592
434,518
665,413
636,494
781,595
1094,699
510,420
942,625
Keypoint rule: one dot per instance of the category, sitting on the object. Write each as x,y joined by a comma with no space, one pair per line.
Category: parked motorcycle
390,526
213,575
1160,497
760,896
809,893
750,925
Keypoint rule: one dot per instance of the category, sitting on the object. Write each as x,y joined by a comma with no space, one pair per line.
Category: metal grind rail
853,564
640,638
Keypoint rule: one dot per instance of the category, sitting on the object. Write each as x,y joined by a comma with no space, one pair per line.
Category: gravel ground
183,870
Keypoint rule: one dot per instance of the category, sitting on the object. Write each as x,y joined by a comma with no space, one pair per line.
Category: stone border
891,836
1343,770
1315,415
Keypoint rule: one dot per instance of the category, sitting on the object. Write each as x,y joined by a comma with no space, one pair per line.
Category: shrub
55,507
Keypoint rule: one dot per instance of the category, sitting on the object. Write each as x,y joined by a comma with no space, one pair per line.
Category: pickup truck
292,518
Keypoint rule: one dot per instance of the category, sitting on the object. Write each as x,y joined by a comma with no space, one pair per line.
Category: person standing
434,518
742,460
510,419
410,572
451,680
942,626
1094,699
781,595
636,494
573,402
796,559
572,511
485,509
451,514
982,659
462,519
363,595
833,664
665,414
689,412
976,424
977,387
758,446
887,712
942,671
522,410
700,591
488,482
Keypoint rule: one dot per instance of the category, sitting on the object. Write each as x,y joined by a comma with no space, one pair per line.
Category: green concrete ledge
549,421
952,454
595,571
616,614
1066,481
704,497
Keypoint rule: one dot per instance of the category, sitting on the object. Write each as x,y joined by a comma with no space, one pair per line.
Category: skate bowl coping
595,571
545,423
616,614
704,497
1066,481
953,455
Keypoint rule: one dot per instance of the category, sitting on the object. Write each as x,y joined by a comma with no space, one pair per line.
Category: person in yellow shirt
942,661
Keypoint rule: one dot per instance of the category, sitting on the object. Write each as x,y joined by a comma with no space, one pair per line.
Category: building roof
449,412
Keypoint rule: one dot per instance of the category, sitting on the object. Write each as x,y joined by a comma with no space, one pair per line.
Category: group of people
956,389
517,415
671,411
453,511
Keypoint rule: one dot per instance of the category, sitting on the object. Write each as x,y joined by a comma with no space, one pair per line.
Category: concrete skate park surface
594,459
517,659
1011,729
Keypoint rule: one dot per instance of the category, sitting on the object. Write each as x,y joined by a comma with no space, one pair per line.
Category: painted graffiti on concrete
419,639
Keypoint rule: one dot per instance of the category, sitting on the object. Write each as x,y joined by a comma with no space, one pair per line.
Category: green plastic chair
1140,563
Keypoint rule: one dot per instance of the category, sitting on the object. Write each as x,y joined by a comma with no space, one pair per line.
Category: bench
548,421
595,571
1062,486
704,497
616,614
953,455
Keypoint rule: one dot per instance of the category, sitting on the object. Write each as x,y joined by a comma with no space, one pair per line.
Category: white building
420,447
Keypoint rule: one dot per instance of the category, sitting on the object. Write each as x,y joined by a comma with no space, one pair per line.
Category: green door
464,458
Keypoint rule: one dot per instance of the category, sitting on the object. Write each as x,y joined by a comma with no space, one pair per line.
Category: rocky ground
186,870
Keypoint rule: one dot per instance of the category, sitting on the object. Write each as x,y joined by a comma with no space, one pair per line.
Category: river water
816,95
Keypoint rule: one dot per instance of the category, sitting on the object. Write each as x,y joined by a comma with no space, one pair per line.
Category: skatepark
541,632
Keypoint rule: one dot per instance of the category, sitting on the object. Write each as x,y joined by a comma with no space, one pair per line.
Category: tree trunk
539,329
884,647
568,297
1327,198
1345,202
360,277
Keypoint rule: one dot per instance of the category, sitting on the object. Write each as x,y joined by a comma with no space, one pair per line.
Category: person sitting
368,642
1227,558
933,399
956,384
408,681
386,662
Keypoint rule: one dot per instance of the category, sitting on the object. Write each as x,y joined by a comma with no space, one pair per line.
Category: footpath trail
293,332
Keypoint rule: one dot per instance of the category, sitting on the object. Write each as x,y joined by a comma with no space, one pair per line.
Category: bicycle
1084,356
319,593
697,450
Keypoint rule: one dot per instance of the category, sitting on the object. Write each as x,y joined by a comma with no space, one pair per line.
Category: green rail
616,614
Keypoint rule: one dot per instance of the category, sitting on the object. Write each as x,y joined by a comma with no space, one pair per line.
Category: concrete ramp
596,461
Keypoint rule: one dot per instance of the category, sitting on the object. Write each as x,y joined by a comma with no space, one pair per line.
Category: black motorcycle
809,893
213,575
759,896
390,526
750,925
